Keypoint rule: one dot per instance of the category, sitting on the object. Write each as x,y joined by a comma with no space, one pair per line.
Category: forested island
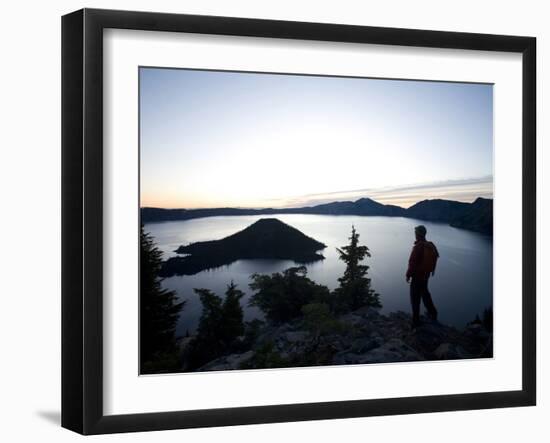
267,238
476,216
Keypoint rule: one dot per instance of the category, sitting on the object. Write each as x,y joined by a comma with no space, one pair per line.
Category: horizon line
310,206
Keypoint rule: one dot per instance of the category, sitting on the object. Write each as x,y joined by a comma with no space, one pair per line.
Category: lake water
461,288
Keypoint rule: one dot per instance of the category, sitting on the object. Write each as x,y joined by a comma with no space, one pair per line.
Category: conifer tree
159,311
220,324
233,325
211,318
355,289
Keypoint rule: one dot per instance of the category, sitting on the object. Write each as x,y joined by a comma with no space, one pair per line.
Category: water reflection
461,288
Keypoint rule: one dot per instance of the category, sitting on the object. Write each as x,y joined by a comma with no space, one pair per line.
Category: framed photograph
269,221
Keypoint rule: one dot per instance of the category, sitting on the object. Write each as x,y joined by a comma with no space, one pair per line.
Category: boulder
368,312
363,345
394,350
346,358
296,336
232,361
449,351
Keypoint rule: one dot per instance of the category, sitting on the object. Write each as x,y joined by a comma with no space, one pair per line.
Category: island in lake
268,238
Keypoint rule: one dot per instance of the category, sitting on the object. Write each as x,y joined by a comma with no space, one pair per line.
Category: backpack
429,258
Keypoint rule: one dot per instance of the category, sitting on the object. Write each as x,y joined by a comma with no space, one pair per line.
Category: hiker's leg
428,302
415,301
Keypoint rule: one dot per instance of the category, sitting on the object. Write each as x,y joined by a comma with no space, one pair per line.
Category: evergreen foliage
267,357
281,296
355,289
232,322
319,320
159,312
221,323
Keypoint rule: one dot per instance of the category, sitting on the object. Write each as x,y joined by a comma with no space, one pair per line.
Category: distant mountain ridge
476,216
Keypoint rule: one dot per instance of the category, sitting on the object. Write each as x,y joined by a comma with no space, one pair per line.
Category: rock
368,312
381,355
474,328
352,319
296,336
399,315
362,345
448,351
484,335
400,347
443,350
394,350
346,358
232,361
370,337
391,354
183,343
271,334
283,328
335,342
429,336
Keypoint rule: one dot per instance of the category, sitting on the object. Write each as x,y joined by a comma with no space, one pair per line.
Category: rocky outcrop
232,361
362,337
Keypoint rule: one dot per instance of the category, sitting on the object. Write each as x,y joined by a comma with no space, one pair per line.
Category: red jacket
422,262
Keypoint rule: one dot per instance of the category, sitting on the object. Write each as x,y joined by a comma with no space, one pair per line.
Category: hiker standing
422,263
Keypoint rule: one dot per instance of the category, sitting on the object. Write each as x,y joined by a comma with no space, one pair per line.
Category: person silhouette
422,264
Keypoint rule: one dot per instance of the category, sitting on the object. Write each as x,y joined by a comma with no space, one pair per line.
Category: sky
254,140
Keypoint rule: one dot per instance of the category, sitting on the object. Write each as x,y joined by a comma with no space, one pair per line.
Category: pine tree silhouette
159,311
233,325
355,287
220,324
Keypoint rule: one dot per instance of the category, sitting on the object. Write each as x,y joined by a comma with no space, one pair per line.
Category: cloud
466,190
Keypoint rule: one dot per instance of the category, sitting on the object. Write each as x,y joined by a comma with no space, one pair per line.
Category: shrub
281,296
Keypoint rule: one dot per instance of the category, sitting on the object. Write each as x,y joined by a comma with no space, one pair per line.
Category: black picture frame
82,219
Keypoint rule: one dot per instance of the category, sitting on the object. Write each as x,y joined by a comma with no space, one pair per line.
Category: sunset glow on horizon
225,139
